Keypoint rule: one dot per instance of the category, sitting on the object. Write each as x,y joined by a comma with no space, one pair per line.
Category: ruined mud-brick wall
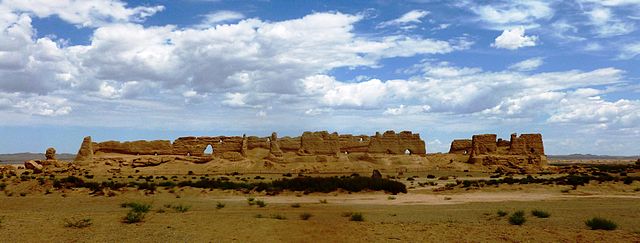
392,143
483,144
195,146
525,144
141,147
350,143
320,143
310,143
460,146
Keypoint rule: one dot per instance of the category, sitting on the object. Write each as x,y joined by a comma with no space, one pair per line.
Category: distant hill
19,158
591,157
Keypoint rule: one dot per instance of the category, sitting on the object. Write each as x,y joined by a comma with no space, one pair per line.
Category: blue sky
130,70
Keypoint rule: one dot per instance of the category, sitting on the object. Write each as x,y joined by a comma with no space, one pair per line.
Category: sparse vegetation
305,216
278,216
261,203
323,201
295,205
220,205
517,218
502,213
137,207
598,223
346,214
391,198
251,201
181,208
258,216
540,213
134,217
77,223
356,217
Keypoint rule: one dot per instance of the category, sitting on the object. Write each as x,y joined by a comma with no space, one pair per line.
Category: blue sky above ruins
134,70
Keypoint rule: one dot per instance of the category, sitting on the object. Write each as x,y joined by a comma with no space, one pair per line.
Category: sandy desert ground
33,212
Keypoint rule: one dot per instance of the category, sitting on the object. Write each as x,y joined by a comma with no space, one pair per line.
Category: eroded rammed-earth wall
310,143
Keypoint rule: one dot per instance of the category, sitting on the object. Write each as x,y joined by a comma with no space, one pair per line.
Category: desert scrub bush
3,186
220,205
133,217
261,203
540,213
391,198
295,205
278,216
517,218
502,213
305,216
597,223
251,201
356,217
77,223
137,207
258,216
181,208
323,201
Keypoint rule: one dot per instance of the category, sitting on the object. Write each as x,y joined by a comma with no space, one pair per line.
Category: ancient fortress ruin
310,143
487,149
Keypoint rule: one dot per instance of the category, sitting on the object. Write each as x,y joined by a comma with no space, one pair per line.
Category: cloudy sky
120,70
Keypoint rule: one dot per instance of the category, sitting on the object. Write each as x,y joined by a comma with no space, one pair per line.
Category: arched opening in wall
156,154
360,140
188,154
268,140
533,150
208,150
407,152
465,152
220,141
346,152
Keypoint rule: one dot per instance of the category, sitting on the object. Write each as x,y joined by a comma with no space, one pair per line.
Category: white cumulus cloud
513,39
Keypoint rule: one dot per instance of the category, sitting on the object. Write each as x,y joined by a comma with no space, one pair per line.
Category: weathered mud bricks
460,146
310,143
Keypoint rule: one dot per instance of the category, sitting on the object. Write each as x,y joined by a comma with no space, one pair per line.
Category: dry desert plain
439,206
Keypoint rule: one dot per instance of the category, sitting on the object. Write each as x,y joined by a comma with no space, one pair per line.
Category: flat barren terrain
185,214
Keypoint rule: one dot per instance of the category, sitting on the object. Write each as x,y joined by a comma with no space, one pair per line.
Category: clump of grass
261,203
181,208
137,207
502,213
356,217
220,205
517,218
346,214
258,216
251,201
295,205
305,216
3,186
77,223
323,201
134,217
598,223
278,216
540,213
391,198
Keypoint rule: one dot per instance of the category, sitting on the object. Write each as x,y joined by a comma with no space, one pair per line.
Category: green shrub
598,223
517,218
305,216
137,207
134,217
540,213
295,205
220,205
181,208
502,213
356,217
261,203
77,223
